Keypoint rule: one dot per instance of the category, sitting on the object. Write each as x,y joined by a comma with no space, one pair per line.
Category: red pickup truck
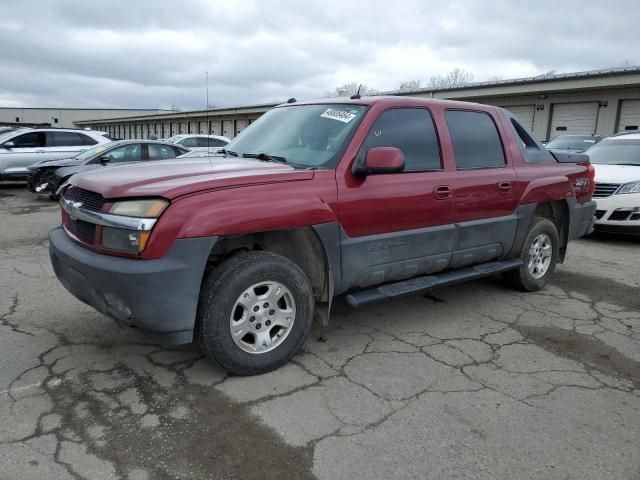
370,198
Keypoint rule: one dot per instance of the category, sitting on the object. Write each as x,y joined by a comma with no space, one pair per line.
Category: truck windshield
303,135
616,152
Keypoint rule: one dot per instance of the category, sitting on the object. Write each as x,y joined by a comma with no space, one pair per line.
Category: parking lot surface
473,381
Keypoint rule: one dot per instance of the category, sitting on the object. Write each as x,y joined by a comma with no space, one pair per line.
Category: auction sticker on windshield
340,115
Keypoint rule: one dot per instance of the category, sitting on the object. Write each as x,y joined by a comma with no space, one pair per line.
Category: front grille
600,214
605,189
90,200
85,231
620,215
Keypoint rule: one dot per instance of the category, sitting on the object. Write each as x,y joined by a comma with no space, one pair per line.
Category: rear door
394,225
485,197
67,144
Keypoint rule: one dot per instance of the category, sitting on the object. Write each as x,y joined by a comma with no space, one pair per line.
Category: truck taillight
591,173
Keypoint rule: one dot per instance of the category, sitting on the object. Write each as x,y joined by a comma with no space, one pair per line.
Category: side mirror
8,145
105,159
382,160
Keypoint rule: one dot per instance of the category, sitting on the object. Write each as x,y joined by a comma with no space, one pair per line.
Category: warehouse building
594,102
64,117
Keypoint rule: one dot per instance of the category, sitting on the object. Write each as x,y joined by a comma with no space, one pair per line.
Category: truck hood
616,173
174,178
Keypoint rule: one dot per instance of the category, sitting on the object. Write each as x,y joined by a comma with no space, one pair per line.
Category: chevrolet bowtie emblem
73,208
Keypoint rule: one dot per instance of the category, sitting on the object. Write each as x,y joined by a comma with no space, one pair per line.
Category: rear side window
87,140
410,130
66,139
210,142
160,152
189,142
475,138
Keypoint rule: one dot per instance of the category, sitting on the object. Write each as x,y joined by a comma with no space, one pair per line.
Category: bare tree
348,89
410,85
455,78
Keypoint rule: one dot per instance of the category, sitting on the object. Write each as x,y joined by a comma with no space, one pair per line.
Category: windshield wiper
627,164
265,156
228,152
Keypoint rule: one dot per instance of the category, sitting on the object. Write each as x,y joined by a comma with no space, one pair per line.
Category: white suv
25,146
617,163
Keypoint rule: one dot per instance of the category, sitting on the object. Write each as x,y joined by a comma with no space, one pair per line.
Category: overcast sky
140,53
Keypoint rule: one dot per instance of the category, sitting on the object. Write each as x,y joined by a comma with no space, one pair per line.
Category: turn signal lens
130,241
139,208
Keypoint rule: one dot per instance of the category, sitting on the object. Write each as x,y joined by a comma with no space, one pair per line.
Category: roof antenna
357,94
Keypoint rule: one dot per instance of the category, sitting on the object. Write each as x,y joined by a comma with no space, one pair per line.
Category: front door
27,149
397,225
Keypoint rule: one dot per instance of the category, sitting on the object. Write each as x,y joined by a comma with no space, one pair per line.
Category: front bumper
619,214
157,296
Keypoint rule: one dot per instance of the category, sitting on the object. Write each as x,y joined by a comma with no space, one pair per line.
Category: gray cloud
147,53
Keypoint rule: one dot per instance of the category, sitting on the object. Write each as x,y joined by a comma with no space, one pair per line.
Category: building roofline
86,108
524,80
539,79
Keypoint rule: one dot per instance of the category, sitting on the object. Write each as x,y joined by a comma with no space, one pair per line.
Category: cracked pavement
472,381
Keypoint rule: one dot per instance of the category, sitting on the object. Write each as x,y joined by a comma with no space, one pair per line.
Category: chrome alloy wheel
540,254
262,317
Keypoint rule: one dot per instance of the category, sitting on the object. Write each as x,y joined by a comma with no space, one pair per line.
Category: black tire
522,278
218,295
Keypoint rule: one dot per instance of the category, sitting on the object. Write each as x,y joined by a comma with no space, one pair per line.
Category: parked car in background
313,200
206,152
200,142
617,163
48,175
23,147
573,143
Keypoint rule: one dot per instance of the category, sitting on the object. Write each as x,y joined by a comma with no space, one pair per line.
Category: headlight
633,187
139,208
127,239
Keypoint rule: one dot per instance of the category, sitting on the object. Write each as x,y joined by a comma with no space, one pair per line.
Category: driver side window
410,130
30,140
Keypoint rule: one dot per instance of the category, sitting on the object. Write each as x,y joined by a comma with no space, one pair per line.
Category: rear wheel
255,312
539,256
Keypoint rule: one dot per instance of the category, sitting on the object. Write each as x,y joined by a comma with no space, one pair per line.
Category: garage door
573,119
524,113
241,124
629,116
227,128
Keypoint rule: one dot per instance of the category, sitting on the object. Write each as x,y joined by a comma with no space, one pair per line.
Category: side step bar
429,282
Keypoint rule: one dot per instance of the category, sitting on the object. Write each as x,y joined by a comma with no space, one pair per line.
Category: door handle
442,192
504,187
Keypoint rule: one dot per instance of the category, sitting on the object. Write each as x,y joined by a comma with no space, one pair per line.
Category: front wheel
539,256
255,312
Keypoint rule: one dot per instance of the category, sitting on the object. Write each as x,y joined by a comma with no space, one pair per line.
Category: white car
617,163
200,142
23,147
